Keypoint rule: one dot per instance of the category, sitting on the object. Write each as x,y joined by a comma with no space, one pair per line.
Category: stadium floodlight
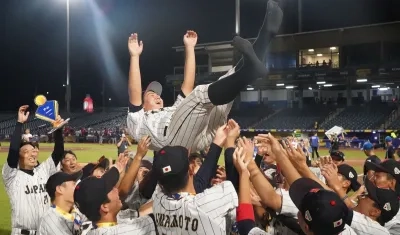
362,80
328,85
383,88
321,82
289,87
311,50
280,84
250,88
375,86
310,88
332,48
109,99
319,54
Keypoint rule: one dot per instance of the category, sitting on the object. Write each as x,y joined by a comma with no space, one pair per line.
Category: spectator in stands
314,145
114,136
27,136
390,152
368,149
123,144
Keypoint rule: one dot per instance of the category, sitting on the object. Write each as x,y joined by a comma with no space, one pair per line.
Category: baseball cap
350,174
155,87
367,146
388,166
92,192
388,139
386,200
59,178
89,168
171,163
323,211
337,156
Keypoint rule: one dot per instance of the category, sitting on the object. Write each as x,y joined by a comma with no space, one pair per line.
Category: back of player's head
171,166
58,179
91,193
321,211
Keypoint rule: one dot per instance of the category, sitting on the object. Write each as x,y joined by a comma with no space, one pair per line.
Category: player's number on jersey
46,199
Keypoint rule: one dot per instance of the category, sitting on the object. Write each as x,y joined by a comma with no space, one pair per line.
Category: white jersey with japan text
28,197
210,212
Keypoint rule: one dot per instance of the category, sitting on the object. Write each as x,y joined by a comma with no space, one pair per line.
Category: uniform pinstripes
363,225
210,212
28,197
140,226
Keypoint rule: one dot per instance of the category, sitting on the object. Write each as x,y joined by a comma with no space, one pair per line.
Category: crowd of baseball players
267,185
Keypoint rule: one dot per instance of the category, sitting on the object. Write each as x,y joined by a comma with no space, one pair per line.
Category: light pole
68,88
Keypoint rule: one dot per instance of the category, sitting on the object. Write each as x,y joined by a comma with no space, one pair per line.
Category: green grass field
91,152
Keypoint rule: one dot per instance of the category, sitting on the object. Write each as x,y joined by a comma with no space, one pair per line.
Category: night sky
33,48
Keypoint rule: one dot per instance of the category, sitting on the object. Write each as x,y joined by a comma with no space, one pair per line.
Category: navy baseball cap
337,156
171,163
386,199
92,192
323,211
59,178
351,175
155,87
367,146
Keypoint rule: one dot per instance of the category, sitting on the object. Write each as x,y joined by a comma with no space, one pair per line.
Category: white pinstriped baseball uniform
28,197
135,200
363,225
55,221
288,209
186,123
210,212
393,226
139,226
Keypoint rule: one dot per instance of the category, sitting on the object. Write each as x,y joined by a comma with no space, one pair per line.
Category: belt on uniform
27,232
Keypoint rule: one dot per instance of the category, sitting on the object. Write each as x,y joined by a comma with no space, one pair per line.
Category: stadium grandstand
340,78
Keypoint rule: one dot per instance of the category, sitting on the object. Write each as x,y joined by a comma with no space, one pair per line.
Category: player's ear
192,169
104,207
346,183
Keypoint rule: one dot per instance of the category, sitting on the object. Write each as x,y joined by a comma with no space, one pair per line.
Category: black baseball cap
59,178
92,192
386,199
337,156
89,168
323,211
350,174
388,166
171,163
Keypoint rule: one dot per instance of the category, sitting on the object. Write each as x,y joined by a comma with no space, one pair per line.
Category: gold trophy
48,111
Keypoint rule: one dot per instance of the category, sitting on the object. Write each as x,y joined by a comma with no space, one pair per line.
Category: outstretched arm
135,81
190,40
13,152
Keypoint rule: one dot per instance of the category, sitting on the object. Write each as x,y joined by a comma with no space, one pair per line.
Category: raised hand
134,45
121,162
190,38
221,135
234,129
248,147
23,115
143,146
239,160
329,171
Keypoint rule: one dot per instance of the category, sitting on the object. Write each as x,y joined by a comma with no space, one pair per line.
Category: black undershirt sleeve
208,170
13,152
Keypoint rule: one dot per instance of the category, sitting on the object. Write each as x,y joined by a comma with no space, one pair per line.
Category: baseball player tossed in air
25,183
186,122
98,199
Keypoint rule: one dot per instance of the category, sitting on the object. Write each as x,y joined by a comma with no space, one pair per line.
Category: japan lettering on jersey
210,212
28,197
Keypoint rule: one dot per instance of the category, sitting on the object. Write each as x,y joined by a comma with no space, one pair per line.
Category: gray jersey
28,197
55,221
140,226
363,225
135,200
393,226
210,212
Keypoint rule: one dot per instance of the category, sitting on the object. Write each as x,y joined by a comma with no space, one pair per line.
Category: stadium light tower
237,17
68,84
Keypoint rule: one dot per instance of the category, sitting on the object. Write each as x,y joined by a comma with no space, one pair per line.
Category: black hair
97,216
68,152
26,143
173,184
194,156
